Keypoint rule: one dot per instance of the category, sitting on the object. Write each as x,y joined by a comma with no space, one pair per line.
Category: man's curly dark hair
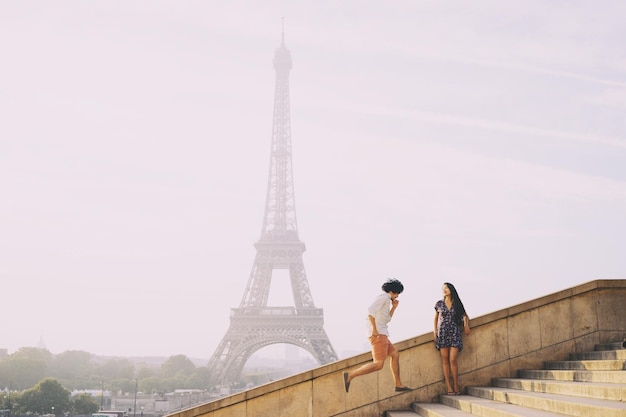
394,285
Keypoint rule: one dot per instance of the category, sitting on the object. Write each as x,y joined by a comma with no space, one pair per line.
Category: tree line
33,380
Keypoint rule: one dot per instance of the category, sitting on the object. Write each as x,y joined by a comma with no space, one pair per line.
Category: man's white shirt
379,309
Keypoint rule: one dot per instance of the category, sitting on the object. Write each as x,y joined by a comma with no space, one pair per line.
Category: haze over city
481,143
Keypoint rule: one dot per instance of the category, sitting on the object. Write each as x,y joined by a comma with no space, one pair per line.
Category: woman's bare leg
454,368
445,362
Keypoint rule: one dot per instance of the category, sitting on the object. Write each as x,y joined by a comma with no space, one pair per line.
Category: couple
449,314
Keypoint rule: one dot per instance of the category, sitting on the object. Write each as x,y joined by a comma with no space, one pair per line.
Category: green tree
151,385
10,401
72,369
126,386
201,378
177,364
116,368
48,396
145,372
24,368
84,404
5,401
71,364
34,353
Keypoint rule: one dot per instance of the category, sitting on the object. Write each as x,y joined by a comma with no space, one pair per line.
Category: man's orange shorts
381,347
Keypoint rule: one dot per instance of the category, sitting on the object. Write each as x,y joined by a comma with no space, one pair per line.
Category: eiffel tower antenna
255,325
282,33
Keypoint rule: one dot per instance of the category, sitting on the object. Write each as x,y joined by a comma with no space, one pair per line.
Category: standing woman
450,315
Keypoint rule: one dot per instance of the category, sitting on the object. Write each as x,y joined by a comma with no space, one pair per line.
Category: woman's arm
466,326
435,324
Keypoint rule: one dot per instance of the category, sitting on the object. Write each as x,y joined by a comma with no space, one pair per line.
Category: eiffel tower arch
254,324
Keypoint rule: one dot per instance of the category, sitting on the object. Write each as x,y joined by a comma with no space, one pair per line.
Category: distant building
41,344
92,392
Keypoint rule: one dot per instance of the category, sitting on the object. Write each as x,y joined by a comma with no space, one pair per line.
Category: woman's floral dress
448,332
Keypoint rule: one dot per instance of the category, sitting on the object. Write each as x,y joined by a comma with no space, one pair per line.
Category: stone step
592,365
614,392
611,346
466,406
599,355
437,410
591,384
609,377
555,403
494,402
401,414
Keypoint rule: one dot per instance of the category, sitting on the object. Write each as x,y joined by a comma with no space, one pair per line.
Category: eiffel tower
254,324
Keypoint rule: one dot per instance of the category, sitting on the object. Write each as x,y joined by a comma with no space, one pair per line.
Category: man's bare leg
366,369
395,368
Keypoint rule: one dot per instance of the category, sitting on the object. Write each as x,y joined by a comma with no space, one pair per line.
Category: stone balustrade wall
522,336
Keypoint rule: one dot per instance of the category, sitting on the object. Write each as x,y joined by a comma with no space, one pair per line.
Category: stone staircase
590,384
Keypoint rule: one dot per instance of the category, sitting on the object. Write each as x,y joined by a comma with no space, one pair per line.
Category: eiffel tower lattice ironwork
254,324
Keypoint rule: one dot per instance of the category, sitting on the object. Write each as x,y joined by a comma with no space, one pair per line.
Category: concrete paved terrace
560,354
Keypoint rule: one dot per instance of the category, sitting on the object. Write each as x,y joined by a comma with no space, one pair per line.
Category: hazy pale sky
481,143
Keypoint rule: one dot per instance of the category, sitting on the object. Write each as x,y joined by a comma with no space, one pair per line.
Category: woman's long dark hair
457,304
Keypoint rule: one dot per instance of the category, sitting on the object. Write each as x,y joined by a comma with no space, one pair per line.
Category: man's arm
373,323
394,305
